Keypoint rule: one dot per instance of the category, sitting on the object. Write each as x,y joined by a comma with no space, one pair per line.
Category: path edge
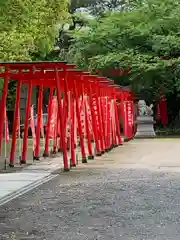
17,193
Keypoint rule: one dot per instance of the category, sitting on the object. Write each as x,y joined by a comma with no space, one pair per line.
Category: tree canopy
139,35
145,39
29,26
95,6
80,12
98,7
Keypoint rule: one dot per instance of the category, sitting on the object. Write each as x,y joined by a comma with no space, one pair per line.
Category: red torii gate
67,79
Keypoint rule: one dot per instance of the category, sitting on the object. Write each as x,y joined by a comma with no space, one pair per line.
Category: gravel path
104,204
99,203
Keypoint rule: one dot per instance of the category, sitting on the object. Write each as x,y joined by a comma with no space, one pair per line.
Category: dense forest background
139,40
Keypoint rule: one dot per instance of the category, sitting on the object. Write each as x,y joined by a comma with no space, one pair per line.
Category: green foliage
81,11
29,29
99,7
29,26
11,97
146,39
